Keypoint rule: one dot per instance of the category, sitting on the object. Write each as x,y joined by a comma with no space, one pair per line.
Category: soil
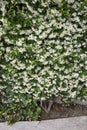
60,111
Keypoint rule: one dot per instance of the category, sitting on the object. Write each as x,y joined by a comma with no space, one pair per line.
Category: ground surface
75,123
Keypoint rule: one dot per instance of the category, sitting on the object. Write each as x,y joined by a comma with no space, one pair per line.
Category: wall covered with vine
43,52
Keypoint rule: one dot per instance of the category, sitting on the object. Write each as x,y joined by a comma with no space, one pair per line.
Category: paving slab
75,123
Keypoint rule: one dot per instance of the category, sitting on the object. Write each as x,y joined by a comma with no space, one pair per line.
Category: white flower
43,35
21,65
86,67
13,62
18,26
75,75
21,49
58,1
70,1
73,94
19,42
8,49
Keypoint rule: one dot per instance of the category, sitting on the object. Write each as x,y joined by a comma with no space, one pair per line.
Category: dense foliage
43,52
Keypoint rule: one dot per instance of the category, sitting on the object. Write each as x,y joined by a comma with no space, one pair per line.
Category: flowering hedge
43,52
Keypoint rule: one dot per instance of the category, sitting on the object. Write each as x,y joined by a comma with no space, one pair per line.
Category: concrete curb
75,123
